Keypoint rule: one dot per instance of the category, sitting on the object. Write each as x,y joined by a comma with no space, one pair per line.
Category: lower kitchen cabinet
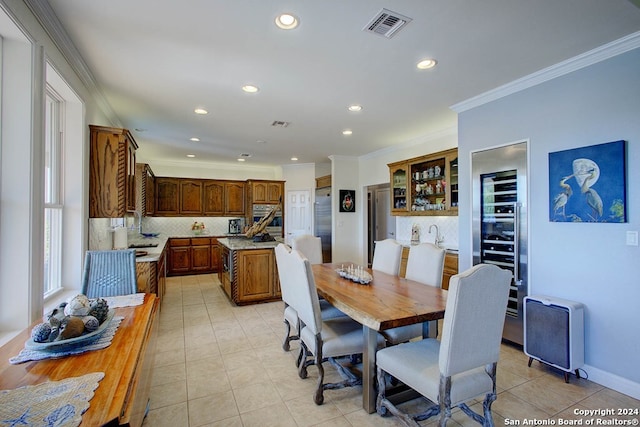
196,255
249,276
151,275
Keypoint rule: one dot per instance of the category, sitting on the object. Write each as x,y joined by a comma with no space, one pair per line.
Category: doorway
298,213
380,224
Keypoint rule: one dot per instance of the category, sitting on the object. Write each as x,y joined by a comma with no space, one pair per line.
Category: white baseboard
612,381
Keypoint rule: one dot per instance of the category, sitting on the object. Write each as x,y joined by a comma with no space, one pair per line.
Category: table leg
369,369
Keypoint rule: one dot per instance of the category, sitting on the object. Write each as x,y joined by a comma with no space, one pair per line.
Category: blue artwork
588,184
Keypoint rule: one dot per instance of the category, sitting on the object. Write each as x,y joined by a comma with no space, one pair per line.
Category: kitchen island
249,274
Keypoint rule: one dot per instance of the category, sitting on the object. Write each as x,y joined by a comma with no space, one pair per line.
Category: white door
298,216
385,223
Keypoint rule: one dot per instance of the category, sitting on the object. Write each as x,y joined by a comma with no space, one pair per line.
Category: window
53,207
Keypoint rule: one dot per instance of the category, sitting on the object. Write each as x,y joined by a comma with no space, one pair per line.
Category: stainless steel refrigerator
322,220
500,223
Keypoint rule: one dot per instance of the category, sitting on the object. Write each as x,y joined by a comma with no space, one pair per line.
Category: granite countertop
240,243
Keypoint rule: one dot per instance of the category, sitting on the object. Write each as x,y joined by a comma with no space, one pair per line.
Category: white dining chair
320,340
290,315
462,366
310,246
386,256
425,265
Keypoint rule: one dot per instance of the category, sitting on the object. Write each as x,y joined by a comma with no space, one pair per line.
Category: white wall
585,262
209,170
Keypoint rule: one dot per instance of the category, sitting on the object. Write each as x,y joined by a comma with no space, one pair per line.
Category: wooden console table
122,395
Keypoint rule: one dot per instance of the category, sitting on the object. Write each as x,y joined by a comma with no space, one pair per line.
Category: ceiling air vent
386,23
280,124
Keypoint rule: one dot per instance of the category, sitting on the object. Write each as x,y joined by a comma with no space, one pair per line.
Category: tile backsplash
101,229
447,225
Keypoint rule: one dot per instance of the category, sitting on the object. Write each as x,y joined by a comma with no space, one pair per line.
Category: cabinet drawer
200,241
180,242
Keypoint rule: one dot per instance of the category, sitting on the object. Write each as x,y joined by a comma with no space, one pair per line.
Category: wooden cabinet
450,268
167,196
323,181
145,189
190,197
423,185
112,172
255,277
200,255
213,198
179,256
266,192
195,255
234,193
196,197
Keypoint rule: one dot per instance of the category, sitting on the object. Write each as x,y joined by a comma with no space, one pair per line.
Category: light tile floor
222,365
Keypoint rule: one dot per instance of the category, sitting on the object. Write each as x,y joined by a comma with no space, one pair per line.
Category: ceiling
155,61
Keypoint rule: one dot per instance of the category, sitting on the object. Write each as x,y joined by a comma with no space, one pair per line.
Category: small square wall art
347,201
588,184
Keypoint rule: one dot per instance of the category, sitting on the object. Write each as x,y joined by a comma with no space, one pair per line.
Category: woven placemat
54,403
103,341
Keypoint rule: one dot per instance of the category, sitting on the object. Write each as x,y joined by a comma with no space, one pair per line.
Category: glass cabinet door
453,183
399,188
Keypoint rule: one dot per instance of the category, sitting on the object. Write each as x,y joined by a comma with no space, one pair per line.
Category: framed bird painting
588,184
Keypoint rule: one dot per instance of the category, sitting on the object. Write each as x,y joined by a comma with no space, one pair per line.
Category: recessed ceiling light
347,132
241,160
294,159
194,139
425,64
355,107
191,155
200,111
287,21
250,88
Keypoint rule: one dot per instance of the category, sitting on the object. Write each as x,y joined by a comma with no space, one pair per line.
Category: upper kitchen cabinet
425,185
145,189
265,192
167,193
190,197
196,197
112,172
224,198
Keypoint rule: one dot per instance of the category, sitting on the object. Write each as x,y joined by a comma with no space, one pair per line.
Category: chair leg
302,365
287,336
318,397
445,400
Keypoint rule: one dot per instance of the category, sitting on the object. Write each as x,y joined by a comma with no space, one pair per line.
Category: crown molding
599,54
209,165
53,27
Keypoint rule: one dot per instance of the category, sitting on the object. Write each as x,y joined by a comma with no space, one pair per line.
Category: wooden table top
386,302
118,362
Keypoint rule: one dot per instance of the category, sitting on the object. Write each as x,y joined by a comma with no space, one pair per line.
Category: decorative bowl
63,345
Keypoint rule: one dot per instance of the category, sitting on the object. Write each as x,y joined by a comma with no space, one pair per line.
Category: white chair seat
403,333
403,361
340,336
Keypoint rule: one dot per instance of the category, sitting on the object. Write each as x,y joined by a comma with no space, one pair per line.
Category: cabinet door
234,198
216,259
190,197
150,192
213,201
179,259
131,173
399,188
260,192
274,190
111,173
255,271
201,257
167,192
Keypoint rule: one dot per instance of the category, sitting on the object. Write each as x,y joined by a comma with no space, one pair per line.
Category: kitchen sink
143,245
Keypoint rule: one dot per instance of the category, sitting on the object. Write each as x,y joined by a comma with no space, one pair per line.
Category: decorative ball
90,323
72,326
99,309
41,332
78,306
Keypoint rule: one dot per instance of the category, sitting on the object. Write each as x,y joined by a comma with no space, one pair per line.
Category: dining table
122,394
386,302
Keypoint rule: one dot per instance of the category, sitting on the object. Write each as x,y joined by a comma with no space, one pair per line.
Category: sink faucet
439,239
